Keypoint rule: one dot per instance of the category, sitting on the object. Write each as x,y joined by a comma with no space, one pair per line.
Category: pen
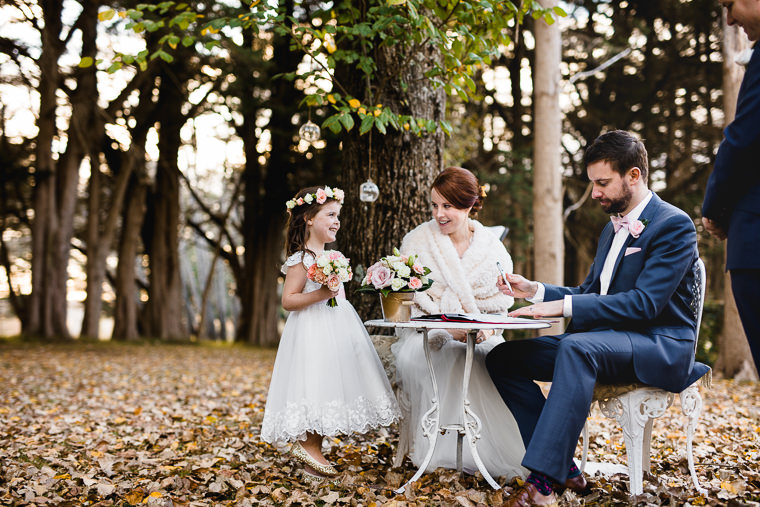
503,276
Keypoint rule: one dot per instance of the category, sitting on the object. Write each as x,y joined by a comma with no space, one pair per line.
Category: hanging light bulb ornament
310,132
368,191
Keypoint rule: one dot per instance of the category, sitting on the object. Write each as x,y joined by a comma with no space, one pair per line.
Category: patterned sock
574,471
542,483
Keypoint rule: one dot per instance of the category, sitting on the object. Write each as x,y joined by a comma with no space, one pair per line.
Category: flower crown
321,195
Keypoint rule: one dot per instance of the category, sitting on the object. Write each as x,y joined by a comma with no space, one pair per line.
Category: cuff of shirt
538,297
567,306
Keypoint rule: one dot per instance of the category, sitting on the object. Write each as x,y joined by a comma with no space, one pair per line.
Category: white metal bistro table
470,424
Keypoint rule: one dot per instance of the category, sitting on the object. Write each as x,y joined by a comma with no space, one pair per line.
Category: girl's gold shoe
300,454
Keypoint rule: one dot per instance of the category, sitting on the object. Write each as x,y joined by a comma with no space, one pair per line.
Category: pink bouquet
396,273
331,268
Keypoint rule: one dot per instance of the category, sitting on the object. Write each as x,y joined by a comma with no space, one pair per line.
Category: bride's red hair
460,188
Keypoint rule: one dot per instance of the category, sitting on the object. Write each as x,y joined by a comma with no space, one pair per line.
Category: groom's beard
619,204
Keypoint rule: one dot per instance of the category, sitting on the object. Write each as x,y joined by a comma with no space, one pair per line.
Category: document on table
476,318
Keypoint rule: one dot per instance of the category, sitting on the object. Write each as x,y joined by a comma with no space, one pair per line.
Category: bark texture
164,314
403,166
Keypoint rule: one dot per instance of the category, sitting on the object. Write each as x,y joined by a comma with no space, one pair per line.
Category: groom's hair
621,149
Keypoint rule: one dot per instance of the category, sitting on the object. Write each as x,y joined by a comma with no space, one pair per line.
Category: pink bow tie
618,222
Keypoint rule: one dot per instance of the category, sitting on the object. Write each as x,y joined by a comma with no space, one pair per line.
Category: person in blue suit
731,208
633,319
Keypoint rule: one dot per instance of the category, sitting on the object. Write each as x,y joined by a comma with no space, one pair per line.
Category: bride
462,255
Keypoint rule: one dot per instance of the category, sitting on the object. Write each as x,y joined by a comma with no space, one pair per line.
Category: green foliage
466,34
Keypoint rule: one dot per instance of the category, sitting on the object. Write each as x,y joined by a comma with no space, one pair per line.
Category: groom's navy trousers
572,362
642,330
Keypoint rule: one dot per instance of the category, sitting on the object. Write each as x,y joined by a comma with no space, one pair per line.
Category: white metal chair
635,406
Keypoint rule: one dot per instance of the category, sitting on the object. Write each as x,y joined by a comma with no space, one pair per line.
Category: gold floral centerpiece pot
396,278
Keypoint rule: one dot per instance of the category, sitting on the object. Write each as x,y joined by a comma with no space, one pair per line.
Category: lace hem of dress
329,419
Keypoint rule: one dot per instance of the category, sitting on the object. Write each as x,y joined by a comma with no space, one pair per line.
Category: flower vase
397,306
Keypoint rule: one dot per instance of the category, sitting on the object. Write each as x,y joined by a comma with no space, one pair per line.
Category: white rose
328,191
322,261
398,284
308,198
401,269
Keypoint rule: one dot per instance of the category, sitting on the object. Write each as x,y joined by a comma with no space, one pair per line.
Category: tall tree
56,178
547,175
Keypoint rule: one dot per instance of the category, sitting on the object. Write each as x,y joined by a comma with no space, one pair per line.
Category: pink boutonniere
636,227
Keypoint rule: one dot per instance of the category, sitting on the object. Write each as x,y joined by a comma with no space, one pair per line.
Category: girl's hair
297,231
460,187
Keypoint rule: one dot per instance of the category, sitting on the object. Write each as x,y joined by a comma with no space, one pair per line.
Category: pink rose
415,283
418,268
338,194
299,201
379,275
333,282
321,196
635,228
334,255
311,273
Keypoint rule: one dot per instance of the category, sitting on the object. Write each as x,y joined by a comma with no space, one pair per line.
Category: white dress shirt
609,262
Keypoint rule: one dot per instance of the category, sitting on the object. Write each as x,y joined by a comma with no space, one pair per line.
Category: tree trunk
164,315
547,176
404,166
93,303
127,293
47,304
265,191
734,355
99,241
88,130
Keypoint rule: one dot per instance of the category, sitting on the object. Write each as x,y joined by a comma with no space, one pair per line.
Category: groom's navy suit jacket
650,297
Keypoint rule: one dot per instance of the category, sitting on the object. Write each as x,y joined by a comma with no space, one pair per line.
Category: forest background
147,150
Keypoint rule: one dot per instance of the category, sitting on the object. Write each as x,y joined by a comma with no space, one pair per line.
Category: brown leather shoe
577,485
528,496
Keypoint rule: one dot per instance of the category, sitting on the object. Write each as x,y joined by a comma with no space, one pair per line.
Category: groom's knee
503,359
495,361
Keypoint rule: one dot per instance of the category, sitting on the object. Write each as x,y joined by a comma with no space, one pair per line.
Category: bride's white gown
461,285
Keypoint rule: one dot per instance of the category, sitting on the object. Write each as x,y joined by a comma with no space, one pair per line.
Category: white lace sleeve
297,258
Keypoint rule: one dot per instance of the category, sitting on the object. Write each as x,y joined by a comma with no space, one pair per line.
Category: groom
632,320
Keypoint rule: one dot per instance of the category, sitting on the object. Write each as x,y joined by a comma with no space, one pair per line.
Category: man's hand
540,310
713,228
521,287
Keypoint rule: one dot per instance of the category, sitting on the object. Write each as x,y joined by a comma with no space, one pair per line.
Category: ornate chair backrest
698,296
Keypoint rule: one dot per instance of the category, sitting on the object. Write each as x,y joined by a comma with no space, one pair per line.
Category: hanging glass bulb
368,191
310,132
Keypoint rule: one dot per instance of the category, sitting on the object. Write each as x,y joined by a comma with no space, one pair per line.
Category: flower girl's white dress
327,377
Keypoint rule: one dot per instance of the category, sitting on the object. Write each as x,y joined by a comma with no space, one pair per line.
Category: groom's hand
521,287
540,310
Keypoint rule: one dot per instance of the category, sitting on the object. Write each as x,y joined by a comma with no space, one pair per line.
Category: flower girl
327,378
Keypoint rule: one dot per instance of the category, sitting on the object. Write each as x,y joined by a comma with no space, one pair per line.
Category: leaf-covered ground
112,424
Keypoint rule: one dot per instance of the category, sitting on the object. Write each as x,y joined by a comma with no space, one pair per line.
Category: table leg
470,420
430,420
